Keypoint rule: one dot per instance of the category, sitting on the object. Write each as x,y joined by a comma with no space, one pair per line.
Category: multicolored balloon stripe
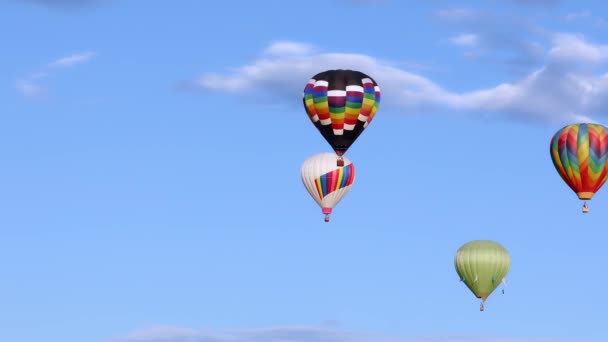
335,180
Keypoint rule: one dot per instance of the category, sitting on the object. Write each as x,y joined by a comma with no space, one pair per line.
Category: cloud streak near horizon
65,4
298,334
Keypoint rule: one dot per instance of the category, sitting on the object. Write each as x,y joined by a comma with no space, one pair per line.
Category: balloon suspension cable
585,207
327,218
340,161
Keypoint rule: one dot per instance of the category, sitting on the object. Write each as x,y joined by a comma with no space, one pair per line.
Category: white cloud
557,92
299,334
72,60
161,333
29,89
586,17
66,4
537,2
288,48
29,86
465,39
578,15
457,14
491,37
574,48
364,2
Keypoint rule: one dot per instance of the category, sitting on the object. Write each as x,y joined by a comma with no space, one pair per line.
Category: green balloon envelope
482,266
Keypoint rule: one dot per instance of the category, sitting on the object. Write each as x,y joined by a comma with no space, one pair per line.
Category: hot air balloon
579,153
326,182
341,104
482,265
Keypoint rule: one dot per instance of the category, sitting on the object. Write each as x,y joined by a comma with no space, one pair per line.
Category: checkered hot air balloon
341,104
326,182
579,153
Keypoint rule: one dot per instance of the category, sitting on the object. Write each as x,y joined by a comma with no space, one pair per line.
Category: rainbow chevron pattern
335,180
579,153
341,103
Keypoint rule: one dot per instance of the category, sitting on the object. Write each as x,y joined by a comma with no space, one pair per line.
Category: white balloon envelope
326,182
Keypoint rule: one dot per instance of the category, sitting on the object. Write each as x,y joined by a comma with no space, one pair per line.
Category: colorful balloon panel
579,153
341,104
335,180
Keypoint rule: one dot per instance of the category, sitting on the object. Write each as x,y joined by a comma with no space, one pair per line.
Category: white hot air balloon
326,182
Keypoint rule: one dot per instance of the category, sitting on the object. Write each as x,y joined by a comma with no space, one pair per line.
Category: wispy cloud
573,48
578,15
363,2
66,4
72,60
29,89
536,2
585,16
514,42
560,91
299,334
457,14
465,39
30,86
288,48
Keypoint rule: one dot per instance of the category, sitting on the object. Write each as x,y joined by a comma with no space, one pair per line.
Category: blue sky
151,158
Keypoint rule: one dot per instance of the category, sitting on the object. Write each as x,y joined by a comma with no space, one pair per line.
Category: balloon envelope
326,182
341,104
482,266
579,153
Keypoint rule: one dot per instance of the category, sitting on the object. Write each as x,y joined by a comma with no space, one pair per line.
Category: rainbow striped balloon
579,153
341,104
